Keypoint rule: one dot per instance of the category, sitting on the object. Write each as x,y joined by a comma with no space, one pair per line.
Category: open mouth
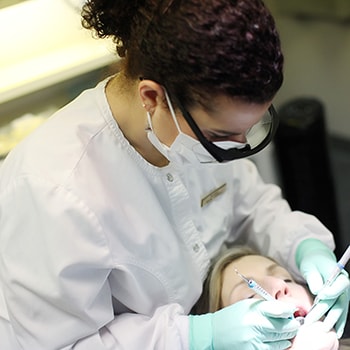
299,315
300,312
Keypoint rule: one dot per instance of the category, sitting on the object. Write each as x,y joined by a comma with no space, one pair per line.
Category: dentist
111,212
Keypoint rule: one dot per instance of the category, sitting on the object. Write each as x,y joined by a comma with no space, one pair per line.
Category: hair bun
111,18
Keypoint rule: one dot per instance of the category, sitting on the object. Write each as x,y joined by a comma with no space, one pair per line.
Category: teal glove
246,325
316,262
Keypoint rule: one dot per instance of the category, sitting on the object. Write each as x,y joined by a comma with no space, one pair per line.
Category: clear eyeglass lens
257,133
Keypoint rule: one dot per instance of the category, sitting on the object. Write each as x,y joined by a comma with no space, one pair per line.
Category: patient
224,287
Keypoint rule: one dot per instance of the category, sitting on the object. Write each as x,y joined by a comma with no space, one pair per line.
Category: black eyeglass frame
226,155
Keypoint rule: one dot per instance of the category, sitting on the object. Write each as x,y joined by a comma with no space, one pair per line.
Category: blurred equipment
14,132
333,10
304,163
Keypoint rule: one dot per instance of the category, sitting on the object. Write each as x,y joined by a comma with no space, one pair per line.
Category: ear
151,93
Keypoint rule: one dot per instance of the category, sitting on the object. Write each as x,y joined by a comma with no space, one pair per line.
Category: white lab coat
101,250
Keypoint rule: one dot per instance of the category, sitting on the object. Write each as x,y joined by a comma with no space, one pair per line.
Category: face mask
185,149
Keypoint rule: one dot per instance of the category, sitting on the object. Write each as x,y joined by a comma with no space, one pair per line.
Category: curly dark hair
198,49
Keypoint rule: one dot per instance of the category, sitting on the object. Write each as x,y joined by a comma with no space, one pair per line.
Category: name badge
212,195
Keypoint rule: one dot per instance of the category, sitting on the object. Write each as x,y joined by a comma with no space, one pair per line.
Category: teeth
299,315
300,319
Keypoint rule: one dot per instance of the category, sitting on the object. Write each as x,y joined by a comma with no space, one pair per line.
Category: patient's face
272,277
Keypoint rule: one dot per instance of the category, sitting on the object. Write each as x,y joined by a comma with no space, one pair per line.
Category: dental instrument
256,287
334,274
263,293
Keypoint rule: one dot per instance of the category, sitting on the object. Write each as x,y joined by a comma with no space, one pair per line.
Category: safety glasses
257,137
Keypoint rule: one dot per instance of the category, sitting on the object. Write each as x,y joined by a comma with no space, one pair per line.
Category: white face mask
185,149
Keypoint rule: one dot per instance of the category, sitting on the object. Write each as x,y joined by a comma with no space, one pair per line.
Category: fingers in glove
318,311
281,345
313,278
279,336
337,315
277,309
340,284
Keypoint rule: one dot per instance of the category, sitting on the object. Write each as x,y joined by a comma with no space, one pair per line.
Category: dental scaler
334,274
258,289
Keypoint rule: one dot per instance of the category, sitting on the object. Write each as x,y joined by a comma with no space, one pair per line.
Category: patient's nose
278,288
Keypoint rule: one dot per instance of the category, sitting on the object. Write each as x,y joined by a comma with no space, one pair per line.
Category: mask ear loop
149,121
172,112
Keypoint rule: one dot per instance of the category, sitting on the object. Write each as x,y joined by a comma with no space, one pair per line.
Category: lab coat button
196,248
170,177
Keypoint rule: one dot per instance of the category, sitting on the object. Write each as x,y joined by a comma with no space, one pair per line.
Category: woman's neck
126,106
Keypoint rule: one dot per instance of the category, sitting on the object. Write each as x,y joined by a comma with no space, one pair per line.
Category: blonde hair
210,300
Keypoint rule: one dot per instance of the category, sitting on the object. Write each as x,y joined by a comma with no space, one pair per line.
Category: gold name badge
212,195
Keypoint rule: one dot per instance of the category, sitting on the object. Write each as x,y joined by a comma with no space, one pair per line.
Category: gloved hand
315,337
316,262
246,325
